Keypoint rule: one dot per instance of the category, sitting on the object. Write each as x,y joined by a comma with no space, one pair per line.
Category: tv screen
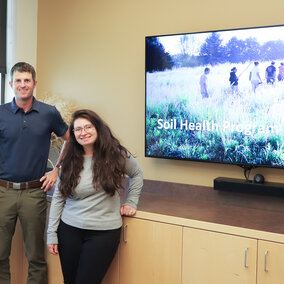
216,96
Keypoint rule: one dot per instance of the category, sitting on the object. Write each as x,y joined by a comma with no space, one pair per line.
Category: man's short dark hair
23,67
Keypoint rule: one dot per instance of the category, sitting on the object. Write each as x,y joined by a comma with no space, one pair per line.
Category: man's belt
20,185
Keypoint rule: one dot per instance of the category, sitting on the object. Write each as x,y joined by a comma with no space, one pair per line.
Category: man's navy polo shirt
25,139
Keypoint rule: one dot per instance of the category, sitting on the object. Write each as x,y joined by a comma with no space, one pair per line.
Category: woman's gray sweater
91,208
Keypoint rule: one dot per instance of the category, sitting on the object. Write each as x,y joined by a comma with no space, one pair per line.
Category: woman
85,214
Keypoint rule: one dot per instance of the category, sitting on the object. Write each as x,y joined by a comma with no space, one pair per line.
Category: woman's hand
53,249
127,210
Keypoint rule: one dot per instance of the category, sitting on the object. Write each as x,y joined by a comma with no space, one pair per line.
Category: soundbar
240,185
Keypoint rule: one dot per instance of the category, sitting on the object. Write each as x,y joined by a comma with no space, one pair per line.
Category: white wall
21,36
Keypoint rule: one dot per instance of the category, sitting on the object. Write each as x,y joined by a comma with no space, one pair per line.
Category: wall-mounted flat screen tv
216,96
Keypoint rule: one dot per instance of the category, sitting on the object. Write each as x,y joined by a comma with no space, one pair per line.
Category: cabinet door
150,252
54,269
270,263
210,257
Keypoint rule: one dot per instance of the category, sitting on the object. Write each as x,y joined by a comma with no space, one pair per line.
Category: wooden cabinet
270,263
161,253
54,269
150,252
210,257
158,252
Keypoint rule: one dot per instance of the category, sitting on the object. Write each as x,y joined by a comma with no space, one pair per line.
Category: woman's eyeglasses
87,128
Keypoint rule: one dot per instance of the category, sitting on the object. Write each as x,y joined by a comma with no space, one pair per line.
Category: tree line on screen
212,52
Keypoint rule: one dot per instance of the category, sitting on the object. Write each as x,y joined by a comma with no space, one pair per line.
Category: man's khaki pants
29,205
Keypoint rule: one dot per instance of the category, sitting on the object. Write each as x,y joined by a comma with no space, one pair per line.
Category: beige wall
92,52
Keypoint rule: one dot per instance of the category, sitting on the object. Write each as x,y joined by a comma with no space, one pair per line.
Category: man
234,80
270,73
254,76
25,128
204,83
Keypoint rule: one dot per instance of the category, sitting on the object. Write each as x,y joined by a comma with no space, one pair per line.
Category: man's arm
49,179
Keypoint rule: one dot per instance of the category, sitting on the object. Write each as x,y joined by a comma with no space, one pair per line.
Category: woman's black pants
85,255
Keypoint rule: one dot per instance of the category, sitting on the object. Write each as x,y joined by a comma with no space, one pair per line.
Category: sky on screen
172,46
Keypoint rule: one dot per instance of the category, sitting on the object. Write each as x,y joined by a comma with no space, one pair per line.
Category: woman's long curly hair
108,158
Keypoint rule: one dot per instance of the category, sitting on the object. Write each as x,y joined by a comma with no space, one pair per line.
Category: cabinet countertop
251,215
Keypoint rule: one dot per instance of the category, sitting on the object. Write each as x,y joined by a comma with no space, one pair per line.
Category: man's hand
49,179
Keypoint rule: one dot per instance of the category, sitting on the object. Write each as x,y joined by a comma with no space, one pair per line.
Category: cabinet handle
124,233
246,252
265,261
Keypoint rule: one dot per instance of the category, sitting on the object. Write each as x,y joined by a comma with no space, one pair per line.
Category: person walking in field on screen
254,76
270,73
234,80
281,72
204,83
